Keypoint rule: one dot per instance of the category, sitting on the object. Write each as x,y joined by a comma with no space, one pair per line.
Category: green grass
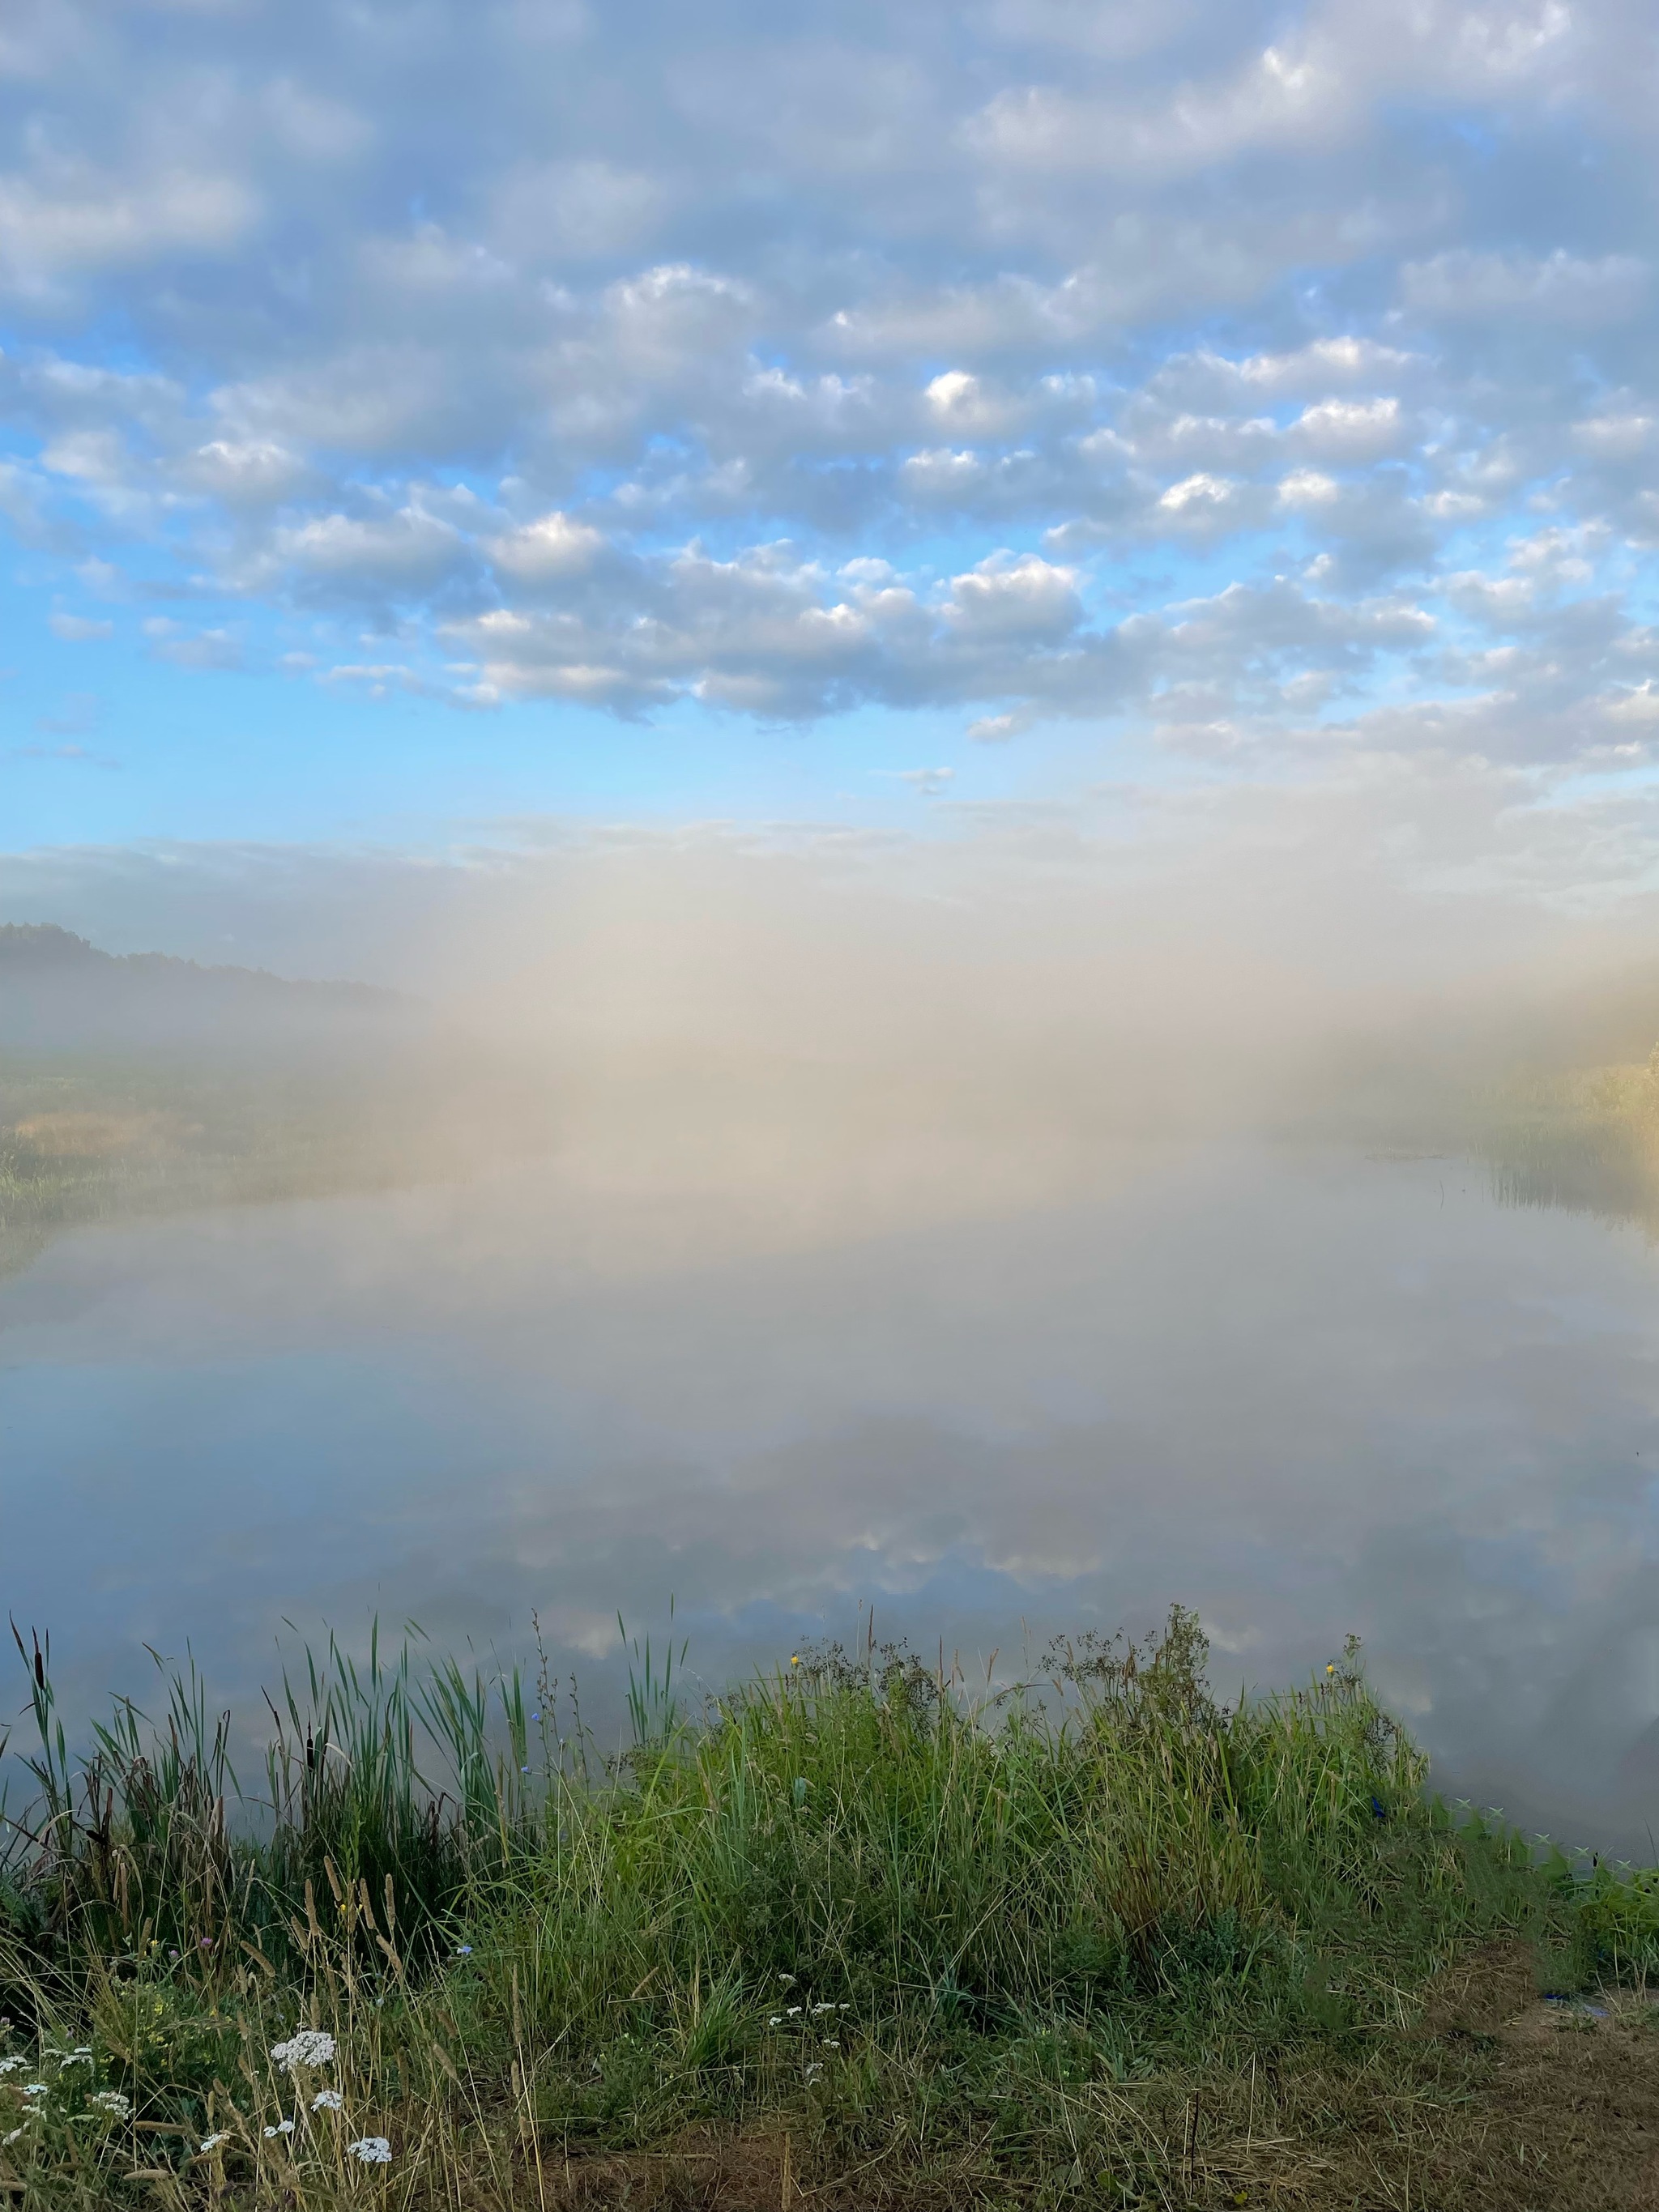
1013,1945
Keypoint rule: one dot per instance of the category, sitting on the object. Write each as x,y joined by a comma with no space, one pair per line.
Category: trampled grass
851,1931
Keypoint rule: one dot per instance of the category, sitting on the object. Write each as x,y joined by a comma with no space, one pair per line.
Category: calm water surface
1305,1396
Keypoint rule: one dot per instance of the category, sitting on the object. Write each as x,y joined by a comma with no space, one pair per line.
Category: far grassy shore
849,1935
1586,1139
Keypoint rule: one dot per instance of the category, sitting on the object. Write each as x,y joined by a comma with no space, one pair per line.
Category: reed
855,1917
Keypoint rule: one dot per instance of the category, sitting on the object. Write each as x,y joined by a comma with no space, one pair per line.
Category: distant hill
59,993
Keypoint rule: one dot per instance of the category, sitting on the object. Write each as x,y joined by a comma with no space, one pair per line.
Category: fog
1017,1230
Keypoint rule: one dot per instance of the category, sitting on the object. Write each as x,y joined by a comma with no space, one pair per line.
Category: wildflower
776,2021
817,2008
309,2046
10,2065
524,1770
813,2071
328,2100
794,1658
212,2142
34,2088
111,2100
282,2128
788,1981
463,1950
372,2150
6,2142
831,2044
1331,1669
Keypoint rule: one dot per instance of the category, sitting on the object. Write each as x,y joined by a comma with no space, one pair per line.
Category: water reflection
1306,1394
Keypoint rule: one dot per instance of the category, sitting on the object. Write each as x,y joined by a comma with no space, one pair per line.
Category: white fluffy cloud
787,365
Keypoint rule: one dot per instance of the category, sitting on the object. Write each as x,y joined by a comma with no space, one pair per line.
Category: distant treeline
141,1084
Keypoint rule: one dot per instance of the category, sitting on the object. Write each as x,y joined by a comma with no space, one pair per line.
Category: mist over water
1013,1243
1308,1394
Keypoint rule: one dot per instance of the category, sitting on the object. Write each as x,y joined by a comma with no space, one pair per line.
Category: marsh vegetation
104,1137
851,1932
1586,1139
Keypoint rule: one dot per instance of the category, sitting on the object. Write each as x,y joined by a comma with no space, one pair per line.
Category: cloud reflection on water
1305,1392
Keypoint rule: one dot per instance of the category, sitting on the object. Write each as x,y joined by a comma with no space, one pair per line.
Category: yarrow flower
111,2100
282,2128
212,2142
328,2100
308,2046
371,2150
10,2065
34,2088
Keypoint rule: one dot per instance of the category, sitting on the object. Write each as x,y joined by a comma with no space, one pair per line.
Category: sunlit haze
968,686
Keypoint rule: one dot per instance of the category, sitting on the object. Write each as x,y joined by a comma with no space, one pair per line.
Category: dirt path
1557,2111
1496,2101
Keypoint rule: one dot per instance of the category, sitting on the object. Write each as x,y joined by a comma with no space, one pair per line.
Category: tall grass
945,1940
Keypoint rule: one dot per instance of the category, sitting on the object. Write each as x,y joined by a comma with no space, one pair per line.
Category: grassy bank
849,1934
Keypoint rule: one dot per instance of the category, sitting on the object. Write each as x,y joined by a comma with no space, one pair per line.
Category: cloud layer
1267,386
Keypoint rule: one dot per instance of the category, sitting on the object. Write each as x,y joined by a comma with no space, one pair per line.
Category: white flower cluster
328,2100
282,2128
10,2065
111,2100
308,2046
212,2142
371,2150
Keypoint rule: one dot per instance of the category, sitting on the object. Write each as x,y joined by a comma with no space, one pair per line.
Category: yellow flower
794,1658
1330,1670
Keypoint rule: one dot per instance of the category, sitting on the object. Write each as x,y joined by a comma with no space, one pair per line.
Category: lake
1305,1393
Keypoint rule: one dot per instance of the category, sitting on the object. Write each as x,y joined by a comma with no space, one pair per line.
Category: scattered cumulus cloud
1273,386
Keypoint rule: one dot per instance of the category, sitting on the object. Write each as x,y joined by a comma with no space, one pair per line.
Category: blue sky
417,418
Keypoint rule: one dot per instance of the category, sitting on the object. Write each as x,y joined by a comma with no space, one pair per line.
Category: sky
418,422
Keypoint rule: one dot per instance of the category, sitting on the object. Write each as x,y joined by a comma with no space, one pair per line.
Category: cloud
1022,339
1467,285
70,222
203,651
81,629
551,547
